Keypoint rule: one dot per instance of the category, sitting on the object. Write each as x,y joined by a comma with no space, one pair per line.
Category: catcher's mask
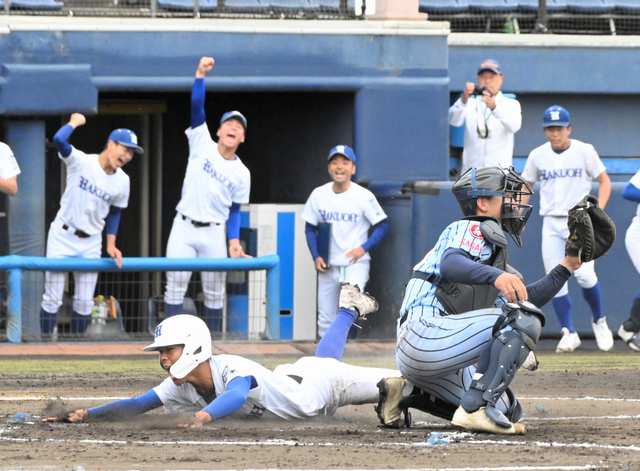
189,331
496,181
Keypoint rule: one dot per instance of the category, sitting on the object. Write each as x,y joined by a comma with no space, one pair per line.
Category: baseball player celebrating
9,170
631,327
212,386
97,190
215,185
351,210
566,168
467,274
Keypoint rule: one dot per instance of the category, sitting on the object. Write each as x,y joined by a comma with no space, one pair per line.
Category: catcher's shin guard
508,350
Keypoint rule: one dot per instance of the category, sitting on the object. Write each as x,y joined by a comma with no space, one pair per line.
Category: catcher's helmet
496,181
187,330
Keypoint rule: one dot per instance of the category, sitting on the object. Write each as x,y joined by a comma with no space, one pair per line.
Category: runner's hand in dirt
196,421
73,417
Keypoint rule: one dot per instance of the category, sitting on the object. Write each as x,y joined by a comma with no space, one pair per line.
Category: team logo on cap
134,138
158,331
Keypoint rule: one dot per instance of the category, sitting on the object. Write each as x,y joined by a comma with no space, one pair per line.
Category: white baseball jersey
212,183
8,163
90,192
351,214
272,394
564,178
502,123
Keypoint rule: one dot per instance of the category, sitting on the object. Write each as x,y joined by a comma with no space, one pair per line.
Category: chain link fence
608,17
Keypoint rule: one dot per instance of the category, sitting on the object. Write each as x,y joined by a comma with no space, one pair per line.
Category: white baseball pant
188,241
65,244
554,237
334,384
329,289
632,242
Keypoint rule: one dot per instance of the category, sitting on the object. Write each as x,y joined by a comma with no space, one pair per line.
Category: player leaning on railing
97,190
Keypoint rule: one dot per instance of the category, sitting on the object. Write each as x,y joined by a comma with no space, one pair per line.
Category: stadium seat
443,6
627,5
34,4
334,5
492,5
590,6
245,6
305,5
187,5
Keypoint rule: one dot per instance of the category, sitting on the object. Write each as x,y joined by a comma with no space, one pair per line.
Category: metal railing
15,265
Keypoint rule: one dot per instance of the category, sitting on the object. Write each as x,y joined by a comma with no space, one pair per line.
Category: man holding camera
491,120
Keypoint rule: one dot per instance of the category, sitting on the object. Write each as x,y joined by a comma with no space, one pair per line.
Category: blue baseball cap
234,115
491,65
126,138
345,151
556,116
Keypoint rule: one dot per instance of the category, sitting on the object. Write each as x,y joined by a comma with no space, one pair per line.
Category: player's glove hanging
591,231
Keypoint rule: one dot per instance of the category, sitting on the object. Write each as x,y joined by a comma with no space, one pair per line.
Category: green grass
148,366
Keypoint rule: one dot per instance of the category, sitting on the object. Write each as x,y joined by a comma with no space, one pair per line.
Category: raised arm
63,134
198,92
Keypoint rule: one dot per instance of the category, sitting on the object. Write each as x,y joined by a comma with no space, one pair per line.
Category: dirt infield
577,417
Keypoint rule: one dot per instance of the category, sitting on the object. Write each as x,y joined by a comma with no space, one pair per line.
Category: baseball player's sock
593,296
47,321
173,309
635,310
353,332
562,305
332,343
213,318
79,323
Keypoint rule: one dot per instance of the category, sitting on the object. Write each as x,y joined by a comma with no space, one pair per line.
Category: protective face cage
496,181
514,213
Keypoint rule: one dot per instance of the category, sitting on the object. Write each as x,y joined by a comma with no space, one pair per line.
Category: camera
479,90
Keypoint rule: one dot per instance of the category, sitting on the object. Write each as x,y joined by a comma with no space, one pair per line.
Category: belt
198,223
77,232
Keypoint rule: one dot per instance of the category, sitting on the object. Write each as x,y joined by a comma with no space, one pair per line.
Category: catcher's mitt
591,231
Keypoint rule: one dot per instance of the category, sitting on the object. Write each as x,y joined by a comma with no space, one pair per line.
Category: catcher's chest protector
457,298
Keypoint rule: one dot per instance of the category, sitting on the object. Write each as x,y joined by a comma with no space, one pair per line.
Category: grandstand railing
14,265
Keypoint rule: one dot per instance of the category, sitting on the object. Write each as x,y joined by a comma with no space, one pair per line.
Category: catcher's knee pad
509,349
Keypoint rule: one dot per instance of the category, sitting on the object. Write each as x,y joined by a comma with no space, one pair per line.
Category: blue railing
16,264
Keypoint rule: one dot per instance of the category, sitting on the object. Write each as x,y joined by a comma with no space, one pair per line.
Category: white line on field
503,468
326,444
522,398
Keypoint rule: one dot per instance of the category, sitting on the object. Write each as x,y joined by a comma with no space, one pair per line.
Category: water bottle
509,27
100,311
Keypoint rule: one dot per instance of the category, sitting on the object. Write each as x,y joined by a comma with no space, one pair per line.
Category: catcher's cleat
352,298
631,338
569,341
480,422
604,337
531,363
389,412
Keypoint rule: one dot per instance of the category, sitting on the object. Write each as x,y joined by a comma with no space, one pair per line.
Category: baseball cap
234,115
126,138
491,65
556,116
345,151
